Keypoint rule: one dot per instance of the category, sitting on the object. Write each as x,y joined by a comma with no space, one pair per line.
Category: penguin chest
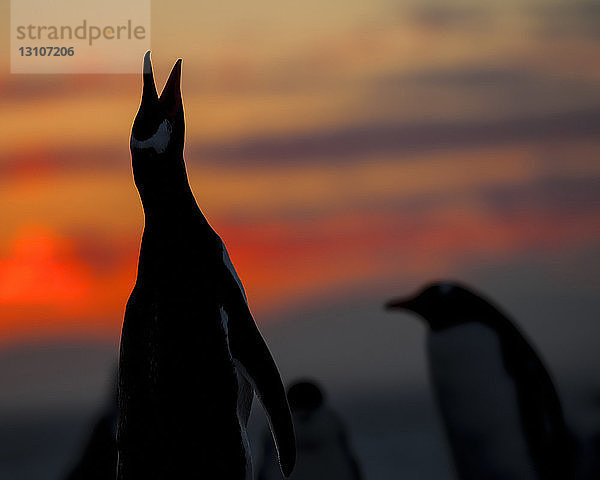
175,350
320,445
179,393
478,403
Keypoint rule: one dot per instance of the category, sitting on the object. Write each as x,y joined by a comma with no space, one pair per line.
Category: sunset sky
334,146
346,152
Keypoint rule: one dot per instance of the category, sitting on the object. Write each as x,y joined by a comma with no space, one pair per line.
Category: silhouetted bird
324,451
98,460
191,353
502,414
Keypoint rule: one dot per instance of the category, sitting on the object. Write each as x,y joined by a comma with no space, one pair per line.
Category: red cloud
45,286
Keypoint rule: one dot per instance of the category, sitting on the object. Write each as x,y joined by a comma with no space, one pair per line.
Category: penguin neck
168,199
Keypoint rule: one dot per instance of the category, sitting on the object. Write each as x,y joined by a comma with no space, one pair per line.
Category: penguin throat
164,200
158,142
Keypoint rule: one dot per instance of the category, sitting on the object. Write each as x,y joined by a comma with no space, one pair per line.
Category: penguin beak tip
147,62
397,304
177,69
391,305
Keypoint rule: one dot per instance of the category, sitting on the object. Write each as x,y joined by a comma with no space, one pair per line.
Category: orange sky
334,147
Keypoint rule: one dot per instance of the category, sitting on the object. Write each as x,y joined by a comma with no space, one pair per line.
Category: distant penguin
191,354
589,458
98,460
324,451
501,412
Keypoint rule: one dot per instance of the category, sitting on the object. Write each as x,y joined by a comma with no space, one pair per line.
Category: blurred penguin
588,467
502,414
323,445
98,460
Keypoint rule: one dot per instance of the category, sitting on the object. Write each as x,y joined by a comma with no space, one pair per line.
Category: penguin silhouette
191,355
501,412
98,460
324,451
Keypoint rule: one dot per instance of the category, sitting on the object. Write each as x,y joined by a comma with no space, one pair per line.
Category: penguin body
191,355
476,396
501,413
324,451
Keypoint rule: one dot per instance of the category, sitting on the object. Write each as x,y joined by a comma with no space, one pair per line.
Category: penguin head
305,397
158,132
443,304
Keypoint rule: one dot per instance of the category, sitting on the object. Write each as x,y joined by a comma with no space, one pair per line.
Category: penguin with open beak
191,355
501,412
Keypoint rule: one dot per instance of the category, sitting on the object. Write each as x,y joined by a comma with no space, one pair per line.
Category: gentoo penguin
502,415
324,451
98,461
191,354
